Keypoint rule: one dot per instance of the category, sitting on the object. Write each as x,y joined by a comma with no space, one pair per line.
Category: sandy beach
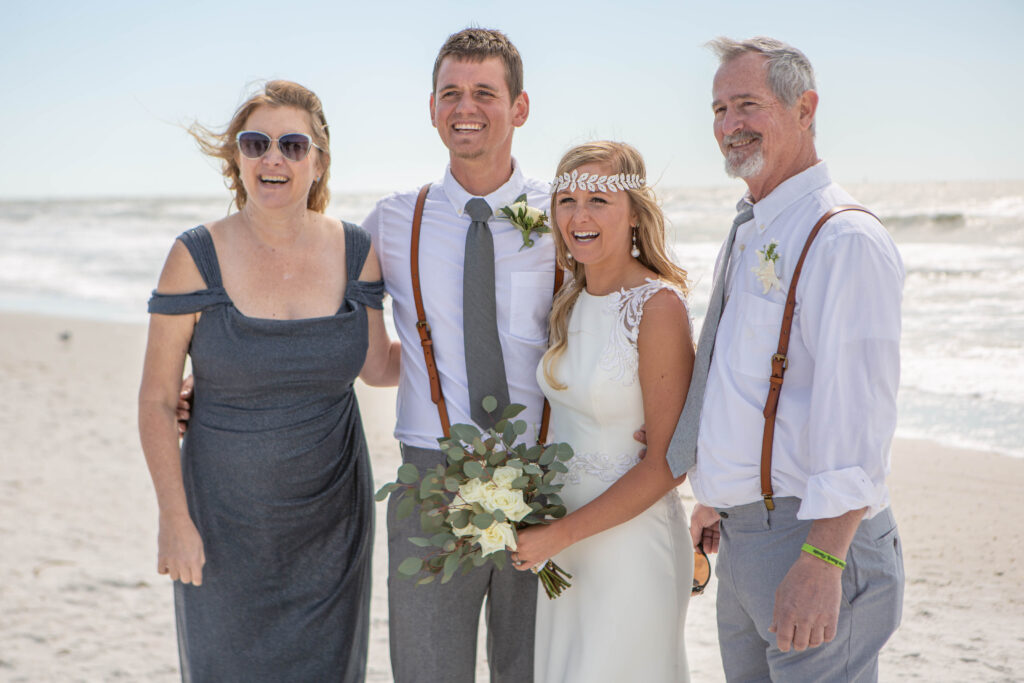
81,600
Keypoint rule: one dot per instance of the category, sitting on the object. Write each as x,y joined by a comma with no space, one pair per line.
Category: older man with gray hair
791,479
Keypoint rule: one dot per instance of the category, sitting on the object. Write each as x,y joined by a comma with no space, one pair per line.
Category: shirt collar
788,193
503,196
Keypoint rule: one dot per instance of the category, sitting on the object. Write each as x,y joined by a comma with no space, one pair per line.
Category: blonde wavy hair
274,94
650,238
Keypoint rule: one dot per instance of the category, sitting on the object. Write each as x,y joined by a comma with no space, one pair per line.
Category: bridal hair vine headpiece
596,183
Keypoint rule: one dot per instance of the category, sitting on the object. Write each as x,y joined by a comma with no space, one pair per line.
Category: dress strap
357,246
200,246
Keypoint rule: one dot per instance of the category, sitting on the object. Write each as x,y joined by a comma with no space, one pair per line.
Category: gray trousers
757,549
433,628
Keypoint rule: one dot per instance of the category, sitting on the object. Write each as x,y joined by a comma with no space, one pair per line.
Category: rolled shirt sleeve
850,325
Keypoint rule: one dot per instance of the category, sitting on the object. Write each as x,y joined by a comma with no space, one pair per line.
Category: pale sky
96,93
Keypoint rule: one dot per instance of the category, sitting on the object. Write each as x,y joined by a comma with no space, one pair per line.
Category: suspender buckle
768,503
780,359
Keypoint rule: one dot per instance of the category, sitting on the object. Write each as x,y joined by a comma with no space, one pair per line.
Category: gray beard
747,168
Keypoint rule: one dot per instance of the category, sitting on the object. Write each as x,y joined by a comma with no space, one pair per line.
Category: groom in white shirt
476,104
810,567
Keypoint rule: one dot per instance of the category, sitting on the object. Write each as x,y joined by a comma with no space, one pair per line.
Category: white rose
468,530
496,537
504,476
472,491
509,501
533,216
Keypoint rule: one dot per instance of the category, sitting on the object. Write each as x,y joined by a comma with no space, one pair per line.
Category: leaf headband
595,183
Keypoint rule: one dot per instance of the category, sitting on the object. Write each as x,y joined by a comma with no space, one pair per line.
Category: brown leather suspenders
423,328
779,361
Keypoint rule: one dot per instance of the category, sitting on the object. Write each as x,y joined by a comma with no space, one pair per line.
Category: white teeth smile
585,236
273,179
468,126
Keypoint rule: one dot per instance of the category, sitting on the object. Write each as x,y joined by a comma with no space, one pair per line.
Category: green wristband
822,555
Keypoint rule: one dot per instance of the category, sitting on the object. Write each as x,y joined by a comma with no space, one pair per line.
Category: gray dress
278,483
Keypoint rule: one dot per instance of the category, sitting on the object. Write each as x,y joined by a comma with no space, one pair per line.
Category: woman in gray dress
266,512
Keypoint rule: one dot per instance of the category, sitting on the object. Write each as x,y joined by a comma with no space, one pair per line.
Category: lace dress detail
620,356
607,468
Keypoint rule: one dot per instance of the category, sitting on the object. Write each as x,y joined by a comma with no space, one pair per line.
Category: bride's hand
536,545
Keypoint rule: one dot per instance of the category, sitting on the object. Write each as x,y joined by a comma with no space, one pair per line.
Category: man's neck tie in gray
682,451
485,365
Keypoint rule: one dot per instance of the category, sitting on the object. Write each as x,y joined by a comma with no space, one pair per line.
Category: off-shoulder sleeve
357,246
192,302
200,247
367,293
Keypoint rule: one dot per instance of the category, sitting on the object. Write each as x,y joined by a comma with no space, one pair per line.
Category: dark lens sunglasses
701,570
254,144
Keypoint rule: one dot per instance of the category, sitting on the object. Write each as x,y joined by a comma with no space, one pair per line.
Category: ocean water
963,306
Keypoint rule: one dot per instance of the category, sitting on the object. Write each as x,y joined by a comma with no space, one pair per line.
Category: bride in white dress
621,355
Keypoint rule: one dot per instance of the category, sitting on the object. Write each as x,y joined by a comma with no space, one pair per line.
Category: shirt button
723,515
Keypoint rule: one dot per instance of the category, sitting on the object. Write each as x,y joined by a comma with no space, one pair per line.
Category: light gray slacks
757,549
433,628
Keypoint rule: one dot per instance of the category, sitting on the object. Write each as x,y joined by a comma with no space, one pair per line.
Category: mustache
742,136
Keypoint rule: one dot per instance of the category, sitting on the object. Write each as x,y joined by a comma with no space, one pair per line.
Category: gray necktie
682,451
485,365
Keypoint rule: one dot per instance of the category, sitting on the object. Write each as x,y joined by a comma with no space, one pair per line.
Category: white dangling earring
568,256
635,251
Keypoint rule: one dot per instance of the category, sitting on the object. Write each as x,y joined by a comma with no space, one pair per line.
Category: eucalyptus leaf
564,452
405,507
520,482
451,563
499,515
410,566
459,519
451,484
440,538
426,579
483,520
512,410
548,456
408,473
420,541
385,491
490,404
465,432
473,469
520,427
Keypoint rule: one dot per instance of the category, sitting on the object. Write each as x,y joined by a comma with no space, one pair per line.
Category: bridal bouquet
470,510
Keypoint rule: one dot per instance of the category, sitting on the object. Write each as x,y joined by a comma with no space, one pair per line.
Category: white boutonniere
765,268
526,218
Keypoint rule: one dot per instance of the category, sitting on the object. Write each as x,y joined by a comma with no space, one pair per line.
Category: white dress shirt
524,279
837,410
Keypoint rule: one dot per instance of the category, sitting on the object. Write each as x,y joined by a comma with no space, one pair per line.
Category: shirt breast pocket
757,338
530,305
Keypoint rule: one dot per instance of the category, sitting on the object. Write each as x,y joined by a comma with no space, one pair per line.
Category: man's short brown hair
478,44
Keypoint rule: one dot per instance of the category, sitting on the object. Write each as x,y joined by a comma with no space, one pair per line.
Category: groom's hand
807,604
641,436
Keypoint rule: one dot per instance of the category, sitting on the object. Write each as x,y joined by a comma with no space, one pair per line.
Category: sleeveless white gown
623,617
